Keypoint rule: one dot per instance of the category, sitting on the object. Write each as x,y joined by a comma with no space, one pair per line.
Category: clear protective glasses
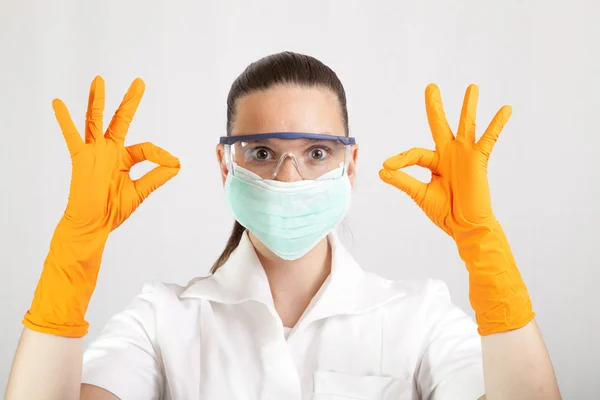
265,154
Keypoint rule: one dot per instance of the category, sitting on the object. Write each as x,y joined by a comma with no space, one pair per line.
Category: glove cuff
497,291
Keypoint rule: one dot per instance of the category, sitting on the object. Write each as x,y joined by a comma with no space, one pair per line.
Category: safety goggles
265,154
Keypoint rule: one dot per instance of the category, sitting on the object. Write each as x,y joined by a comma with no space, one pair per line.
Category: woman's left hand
457,199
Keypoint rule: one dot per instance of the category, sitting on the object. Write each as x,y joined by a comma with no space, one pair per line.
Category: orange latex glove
457,199
102,196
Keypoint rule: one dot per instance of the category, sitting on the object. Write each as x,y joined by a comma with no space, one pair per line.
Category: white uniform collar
348,289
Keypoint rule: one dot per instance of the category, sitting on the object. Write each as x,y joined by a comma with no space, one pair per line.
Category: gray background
541,57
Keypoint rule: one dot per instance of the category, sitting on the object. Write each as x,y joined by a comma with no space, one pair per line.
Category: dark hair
286,68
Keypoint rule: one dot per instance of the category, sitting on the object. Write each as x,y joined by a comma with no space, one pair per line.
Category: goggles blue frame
230,141
286,135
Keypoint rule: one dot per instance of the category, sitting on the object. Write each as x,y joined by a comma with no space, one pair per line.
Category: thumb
403,181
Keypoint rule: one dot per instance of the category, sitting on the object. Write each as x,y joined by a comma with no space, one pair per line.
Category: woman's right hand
102,196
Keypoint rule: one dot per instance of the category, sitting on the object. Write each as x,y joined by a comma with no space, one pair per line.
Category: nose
288,171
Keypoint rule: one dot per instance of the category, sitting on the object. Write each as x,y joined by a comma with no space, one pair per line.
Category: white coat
220,338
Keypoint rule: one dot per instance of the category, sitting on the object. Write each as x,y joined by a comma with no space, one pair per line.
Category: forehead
287,108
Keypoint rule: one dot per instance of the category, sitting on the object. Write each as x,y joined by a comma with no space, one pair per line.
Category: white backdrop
541,57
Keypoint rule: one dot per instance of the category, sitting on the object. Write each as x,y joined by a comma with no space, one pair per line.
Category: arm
48,361
54,364
90,392
516,363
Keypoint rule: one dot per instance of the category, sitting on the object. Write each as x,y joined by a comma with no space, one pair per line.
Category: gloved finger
490,136
119,125
466,125
149,152
95,111
403,181
436,116
154,179
72,137
416,156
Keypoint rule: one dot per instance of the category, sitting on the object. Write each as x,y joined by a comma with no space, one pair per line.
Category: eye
260,153
318,153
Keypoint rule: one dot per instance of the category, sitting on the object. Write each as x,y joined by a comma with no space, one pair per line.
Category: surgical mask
290,218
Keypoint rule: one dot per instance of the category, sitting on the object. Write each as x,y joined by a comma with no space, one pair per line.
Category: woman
287,313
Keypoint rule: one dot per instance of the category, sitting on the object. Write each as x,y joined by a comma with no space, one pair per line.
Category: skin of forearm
516,365
46,367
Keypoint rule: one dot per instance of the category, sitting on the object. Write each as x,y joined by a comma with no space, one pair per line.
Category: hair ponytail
232,244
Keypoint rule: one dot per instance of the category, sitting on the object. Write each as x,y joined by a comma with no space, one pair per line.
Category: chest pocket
330,385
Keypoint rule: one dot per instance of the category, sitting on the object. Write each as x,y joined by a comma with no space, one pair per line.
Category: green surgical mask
290,218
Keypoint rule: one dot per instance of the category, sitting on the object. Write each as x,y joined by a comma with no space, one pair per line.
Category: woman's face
289,109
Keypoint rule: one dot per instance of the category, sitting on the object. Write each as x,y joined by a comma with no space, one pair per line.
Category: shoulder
157,297
166,290
423,290
426,302
156,304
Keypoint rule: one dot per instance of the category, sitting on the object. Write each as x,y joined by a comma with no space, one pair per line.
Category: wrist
67,281
497,291
480,245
